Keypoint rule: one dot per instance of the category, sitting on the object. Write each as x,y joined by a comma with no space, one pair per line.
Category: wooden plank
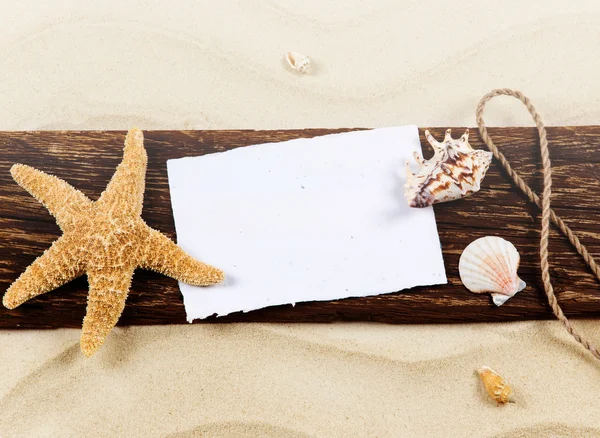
88,159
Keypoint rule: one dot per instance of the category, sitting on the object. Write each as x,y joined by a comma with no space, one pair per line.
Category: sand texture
219,65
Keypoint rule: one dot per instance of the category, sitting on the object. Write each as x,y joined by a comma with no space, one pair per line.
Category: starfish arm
58,265
106,301
125,191
162,255
61,199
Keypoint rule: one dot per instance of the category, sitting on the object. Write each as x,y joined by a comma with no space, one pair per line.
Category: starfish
106,239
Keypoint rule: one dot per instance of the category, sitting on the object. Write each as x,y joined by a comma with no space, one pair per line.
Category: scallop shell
455,171
490,264
495,385
297,61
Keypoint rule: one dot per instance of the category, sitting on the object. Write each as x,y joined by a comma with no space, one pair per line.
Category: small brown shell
495,385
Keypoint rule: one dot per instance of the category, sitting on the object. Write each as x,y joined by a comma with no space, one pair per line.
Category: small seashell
490,264
298,61
455,171
495,385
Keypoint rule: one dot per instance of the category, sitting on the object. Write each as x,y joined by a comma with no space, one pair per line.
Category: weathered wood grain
88,159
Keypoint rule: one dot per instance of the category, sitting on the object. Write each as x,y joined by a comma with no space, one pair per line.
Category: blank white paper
304,220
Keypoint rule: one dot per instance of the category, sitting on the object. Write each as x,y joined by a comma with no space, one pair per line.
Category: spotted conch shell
298,61
495,385
455,171
489,264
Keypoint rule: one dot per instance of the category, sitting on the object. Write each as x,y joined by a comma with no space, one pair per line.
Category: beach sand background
219,65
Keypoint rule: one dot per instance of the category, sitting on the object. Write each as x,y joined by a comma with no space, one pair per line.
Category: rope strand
547,213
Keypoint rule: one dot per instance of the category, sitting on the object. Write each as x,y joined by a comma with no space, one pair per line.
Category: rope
547,213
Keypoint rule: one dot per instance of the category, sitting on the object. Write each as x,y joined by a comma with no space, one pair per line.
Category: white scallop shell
297,61
490,264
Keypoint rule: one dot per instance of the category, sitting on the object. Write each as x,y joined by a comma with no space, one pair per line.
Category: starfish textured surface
106,239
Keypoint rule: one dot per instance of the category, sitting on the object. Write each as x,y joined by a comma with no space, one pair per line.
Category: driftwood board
88,159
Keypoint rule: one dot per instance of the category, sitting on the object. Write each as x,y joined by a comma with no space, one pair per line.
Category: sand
219,65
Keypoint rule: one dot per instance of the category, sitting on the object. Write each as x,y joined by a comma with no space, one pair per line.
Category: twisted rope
547,213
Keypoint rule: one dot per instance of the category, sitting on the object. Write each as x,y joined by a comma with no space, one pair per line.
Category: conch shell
490,264
297,61
495,385
455,171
